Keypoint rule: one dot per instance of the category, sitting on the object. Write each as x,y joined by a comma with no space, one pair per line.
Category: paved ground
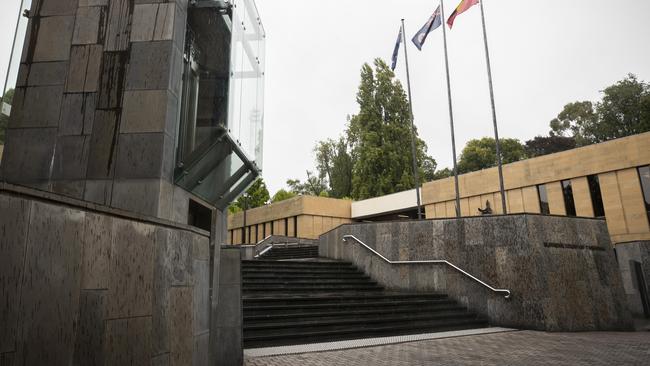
512,348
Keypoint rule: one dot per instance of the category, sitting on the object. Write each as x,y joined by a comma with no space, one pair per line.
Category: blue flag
396,50
433,23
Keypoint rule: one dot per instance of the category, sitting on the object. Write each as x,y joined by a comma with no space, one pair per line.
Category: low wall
86,288
561,271
248,250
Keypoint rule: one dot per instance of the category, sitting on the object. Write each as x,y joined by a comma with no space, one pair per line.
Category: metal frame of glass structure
219,149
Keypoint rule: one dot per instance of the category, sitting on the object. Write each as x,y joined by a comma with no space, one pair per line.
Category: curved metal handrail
435,261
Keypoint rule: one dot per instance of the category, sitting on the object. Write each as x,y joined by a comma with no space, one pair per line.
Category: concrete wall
562,271
96,106
614,162
87,287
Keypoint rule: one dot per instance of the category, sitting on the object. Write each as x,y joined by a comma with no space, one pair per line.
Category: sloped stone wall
81,287
561,271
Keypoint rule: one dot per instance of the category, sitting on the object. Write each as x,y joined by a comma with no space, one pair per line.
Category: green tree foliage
379,137
313,186
481,154
4,120
544,145
623,111
282,195
256,196
334,164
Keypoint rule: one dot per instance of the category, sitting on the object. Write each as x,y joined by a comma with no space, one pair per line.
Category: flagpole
494,114
451,109
413,150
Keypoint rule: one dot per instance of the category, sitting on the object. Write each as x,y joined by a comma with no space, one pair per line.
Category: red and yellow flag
461,8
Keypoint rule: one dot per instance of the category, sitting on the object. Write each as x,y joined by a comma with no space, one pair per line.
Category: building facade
610,180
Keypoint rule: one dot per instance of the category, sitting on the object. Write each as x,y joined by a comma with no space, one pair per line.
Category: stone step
252,308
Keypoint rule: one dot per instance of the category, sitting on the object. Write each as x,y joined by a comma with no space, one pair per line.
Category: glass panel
644,175
10,74
543,200
569,203
596,196
246,117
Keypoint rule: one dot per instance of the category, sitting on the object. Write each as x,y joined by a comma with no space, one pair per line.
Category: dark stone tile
85,69
14,222
45,73
56,7
140,156
118,27
88,25
201,296
23,160
71,158
50,286
54,38
103,145
111,81
36,107
149,66
77,114
229,346
181,326
90,332
128,341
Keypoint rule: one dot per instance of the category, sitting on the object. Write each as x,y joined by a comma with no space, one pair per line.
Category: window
286,227
596,196
295,226
543,200
199,216
644,176
569,203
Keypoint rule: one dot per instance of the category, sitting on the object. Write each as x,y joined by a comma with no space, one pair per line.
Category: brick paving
512,348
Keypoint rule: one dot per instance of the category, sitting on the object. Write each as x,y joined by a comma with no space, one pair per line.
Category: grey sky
544,55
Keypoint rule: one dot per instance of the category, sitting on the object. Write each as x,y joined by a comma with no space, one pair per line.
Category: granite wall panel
561,271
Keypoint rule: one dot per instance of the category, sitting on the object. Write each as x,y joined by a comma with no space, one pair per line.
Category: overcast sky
544,54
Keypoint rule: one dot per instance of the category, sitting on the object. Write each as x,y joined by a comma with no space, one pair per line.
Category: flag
396,50
433,23
461,8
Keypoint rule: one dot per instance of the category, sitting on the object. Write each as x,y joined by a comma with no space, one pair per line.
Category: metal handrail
435,261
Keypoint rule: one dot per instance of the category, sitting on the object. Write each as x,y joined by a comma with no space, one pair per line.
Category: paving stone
118,28
77,114
88,25
511,348
85,66
50,286
131,270
14,222
54,38
128,341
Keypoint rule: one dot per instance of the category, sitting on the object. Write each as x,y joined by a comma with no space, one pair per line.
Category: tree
379,137
544,145
623,111
4,120
282,195
334,164
481,154
256,196
313,186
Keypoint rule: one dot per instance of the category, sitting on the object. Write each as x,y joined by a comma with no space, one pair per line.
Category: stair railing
260,244
435,261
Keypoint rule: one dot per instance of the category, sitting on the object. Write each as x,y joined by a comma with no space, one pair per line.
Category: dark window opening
596,196
232,236
543,200
644,176
286,227
569,203
263,230
243,235
272,227
295,226
199,216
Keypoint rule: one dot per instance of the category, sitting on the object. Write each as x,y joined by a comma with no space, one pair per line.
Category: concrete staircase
307,301
291,252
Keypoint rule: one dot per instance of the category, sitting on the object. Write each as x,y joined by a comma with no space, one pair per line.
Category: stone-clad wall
97,101
636,278
562,271
82,287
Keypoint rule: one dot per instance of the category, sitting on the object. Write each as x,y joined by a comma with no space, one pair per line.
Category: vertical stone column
97,99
